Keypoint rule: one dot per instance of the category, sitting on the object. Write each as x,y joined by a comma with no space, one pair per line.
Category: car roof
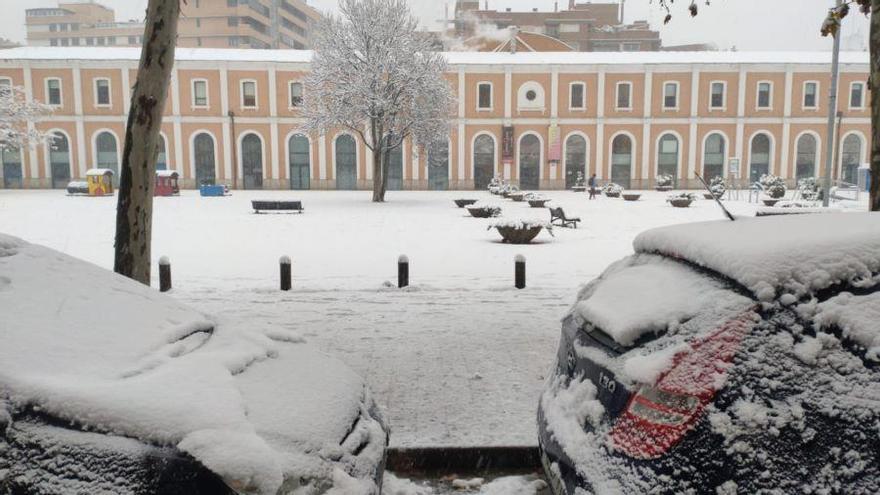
772,256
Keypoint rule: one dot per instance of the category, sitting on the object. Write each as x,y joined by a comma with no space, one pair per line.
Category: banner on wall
507,144
554,151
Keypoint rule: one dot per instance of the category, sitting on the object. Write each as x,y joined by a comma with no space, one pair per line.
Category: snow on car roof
95,348
99,171
771,256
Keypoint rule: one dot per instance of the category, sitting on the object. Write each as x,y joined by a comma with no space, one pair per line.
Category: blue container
212,190
865,178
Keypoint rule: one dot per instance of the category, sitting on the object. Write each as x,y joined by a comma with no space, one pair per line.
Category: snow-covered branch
16,112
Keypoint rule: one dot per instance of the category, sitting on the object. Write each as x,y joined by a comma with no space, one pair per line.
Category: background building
203,23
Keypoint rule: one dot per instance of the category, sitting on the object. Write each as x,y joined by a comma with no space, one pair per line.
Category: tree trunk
378,190
874,84
134,209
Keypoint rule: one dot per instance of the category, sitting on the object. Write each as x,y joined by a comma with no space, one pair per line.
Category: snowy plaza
457,359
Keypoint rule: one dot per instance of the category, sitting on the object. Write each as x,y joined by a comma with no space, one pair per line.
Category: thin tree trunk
378,195
386,159
134,211
874,84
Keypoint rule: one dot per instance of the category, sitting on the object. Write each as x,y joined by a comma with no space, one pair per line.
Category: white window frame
193,103
723,106
849,97
290,105
758,106
491,97
804,96
583,107
95,92
256,94
617,96
677,96
60,91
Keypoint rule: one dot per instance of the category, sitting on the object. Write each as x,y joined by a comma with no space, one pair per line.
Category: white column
461,127
786,125
692,139
125,91
600,124
508,94
369,155
414,162
179,162
226,139
29,95
273,127
322,157
646,124
740,120
554,93
82,166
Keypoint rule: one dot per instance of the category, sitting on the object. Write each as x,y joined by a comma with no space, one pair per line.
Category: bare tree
17,116
375,75
134,212
831,26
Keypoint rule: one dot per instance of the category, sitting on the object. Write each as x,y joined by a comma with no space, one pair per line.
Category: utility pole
832,113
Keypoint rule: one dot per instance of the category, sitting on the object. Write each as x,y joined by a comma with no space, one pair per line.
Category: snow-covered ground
457,359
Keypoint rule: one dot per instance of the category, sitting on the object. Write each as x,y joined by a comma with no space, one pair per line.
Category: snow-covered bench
262,205
558,215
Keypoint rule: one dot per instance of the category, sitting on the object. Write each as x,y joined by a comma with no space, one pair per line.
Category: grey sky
746,24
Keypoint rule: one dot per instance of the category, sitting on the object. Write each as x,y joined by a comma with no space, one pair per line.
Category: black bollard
164,274
519,271
286,280
402,271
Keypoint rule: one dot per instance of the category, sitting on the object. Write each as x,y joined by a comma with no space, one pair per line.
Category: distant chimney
571,4
622,5
555,6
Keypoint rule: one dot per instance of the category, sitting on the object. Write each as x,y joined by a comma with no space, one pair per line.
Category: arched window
759,159
299,161
59,160
806,157
252,161
667,156
713,157
12,172
203,154
621,160
575,159
529,162
346,163
484,161
161,156
851,158
438,166
107,157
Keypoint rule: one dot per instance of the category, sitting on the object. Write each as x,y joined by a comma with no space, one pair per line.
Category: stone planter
579,188
484,211
514,235
612,195
461,203
631,197
538,203
770,202
517,196
663,188
681,202
709,196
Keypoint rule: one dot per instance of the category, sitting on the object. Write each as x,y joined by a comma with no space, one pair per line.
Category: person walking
592,185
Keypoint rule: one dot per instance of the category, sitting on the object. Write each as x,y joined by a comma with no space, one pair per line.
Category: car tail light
657,417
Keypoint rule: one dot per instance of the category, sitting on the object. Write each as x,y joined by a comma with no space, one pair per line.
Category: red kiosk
166,183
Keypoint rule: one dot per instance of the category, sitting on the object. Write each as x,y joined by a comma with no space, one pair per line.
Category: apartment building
203,23
536,119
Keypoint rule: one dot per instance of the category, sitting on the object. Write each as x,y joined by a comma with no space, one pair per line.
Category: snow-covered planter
508,189
717,186
536,200
631,196
773,186
580,184
520,231
461,203
681,200
612,190
483,210
809,189
663,182
517,196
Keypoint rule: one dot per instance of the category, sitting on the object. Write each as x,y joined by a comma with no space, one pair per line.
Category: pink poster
554,152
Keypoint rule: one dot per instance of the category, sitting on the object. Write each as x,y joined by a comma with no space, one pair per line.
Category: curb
462,458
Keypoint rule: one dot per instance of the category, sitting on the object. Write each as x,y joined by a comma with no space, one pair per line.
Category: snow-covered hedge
520,223
774,186
718,186
612,188
664,180
681,196
809,189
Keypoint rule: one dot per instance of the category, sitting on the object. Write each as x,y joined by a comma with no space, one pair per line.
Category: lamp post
832,113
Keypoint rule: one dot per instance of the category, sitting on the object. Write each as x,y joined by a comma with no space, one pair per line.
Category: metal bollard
164,274
286,279
519,271
402,271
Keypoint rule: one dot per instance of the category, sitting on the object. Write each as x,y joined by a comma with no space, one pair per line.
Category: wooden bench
260,205
557,217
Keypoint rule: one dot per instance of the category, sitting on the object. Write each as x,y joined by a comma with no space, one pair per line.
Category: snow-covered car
107,386
724,357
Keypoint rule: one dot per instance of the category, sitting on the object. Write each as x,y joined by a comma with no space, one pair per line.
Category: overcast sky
745,24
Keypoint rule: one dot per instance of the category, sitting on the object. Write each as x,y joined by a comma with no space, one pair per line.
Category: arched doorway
346,163
12,171
529,162
621,160
395,169
161,156
713,157
252,161
667,157
575,159
851,159
59,160
484,161
203,152
107,156
299,162
806,157
438,166
759,158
